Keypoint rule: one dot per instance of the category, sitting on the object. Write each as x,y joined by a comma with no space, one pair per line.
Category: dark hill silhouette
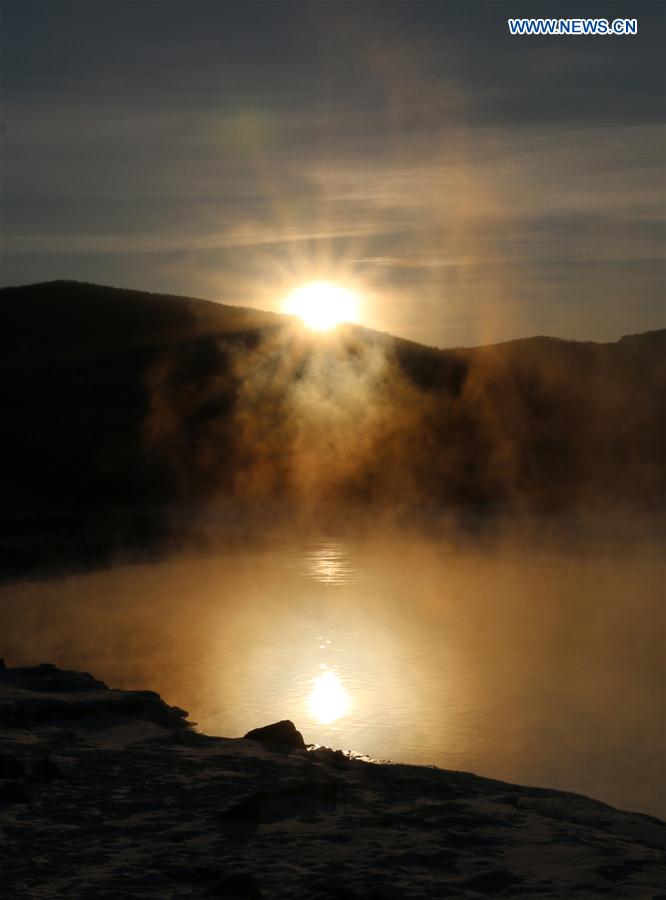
124,411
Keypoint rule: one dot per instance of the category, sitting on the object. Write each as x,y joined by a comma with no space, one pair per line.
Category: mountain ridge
213,307
119,415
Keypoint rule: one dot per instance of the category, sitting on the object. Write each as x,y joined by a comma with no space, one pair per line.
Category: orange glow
321,305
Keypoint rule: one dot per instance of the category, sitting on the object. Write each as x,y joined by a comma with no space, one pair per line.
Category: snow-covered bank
110,794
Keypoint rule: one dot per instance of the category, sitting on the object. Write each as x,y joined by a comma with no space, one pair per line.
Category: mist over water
534,661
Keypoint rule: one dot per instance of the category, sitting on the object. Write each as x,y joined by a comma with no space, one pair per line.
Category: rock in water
283,733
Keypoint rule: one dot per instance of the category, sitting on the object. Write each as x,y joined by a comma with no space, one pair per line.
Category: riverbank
112,794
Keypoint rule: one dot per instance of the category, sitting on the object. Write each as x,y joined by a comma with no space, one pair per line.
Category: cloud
241,236
416,147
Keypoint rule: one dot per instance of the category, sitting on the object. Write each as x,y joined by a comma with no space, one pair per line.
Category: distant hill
126,412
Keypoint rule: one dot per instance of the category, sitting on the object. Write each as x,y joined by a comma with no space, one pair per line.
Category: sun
329,700
322,305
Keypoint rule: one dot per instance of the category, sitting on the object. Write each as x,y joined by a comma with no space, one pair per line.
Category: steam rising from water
309,427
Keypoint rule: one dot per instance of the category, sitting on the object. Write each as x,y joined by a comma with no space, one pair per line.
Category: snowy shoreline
112,794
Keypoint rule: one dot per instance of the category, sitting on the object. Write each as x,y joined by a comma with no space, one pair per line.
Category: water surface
539,667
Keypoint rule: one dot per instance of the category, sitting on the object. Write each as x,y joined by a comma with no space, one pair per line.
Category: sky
471,186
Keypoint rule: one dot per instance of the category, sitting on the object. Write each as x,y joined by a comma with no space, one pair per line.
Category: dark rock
217,883
47,677
324,791
242,886
188,874
245,811
442,859
335,758
618,871
45,769
40,670
322,890
282,733
469,839
265,807
11,766
65,736
13,792
88,698
492,882
385,892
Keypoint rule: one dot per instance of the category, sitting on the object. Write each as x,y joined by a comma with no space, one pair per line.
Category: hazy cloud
417,149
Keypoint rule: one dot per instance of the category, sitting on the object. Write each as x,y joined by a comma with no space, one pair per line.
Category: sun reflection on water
329,563
328,700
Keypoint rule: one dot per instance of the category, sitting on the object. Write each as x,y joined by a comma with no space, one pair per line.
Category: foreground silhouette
111,793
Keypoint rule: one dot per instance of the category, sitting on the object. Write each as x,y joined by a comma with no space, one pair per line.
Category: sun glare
322,305
328,700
